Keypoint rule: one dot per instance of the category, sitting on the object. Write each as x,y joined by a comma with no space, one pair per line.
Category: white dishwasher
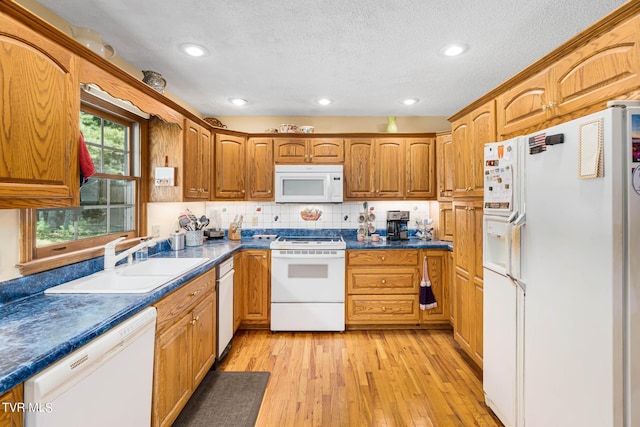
104,383
224,284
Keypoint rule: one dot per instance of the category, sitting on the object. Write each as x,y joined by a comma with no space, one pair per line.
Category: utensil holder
194,237
235,232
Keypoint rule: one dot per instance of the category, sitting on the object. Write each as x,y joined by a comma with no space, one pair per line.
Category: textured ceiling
365,55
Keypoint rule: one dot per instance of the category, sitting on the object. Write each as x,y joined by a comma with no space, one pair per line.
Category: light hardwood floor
362,378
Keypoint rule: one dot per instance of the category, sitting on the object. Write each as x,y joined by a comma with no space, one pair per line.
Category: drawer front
176,303
383,281
382,309
403,257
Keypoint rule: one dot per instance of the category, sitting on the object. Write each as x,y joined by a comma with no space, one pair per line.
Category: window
108,199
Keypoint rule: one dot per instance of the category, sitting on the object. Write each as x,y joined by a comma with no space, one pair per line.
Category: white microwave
308,183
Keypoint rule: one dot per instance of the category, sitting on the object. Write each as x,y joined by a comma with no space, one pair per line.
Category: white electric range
307,283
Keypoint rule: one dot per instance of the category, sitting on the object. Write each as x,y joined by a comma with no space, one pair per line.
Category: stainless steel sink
131,279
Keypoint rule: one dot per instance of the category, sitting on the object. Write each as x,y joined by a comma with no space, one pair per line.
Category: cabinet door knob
192,322
384,308
242,191
544,107
384,281
382,258
194,293
197,318
552,104
264,257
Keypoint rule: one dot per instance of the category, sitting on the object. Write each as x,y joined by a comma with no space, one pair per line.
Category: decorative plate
310,214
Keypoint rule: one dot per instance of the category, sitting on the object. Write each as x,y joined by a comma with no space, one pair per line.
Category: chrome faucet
110,257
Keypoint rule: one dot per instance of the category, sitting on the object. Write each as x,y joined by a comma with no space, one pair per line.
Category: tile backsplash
270,215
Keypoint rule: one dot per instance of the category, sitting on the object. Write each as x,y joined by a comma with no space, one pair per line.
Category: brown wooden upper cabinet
606,67
197,161
230,167
374,168
260,169
312,150
421,168
444,162
469,134
40,120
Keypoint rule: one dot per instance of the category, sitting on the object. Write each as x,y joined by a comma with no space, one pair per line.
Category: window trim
91,247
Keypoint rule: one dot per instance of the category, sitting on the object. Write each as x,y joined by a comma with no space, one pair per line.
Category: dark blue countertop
36,329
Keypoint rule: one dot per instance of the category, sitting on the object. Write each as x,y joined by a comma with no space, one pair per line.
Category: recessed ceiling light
454,49
410,101
324,101
192,49
238,101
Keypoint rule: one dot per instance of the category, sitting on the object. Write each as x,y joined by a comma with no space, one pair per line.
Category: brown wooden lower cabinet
383,287
185,346
437,266
254,278
9,417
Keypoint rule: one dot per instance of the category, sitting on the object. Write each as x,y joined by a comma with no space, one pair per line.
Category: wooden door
463,277
204,329
450,281
230,167
460,136
290,150
444,162
482,130
205,148
445,222
260,168
524,105
237,291
193,188
389,168
421,168
8,417
172,372
256,279
436,267
40,132
358,169
326,150
604,69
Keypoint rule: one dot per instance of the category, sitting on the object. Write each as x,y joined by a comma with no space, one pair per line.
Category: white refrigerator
562,274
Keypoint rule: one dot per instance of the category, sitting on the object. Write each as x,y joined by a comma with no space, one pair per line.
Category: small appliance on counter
397,225
210,233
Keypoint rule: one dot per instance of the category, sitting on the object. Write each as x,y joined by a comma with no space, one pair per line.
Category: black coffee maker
397,228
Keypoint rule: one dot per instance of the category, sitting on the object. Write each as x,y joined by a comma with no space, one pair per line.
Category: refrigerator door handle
509,239
514,252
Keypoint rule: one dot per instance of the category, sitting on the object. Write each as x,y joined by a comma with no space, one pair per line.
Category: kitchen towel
427,299
87,167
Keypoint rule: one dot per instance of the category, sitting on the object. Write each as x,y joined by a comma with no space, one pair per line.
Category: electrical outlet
155,231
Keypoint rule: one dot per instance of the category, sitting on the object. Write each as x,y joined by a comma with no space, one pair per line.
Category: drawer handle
194,293
384,308
382,258
384,281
